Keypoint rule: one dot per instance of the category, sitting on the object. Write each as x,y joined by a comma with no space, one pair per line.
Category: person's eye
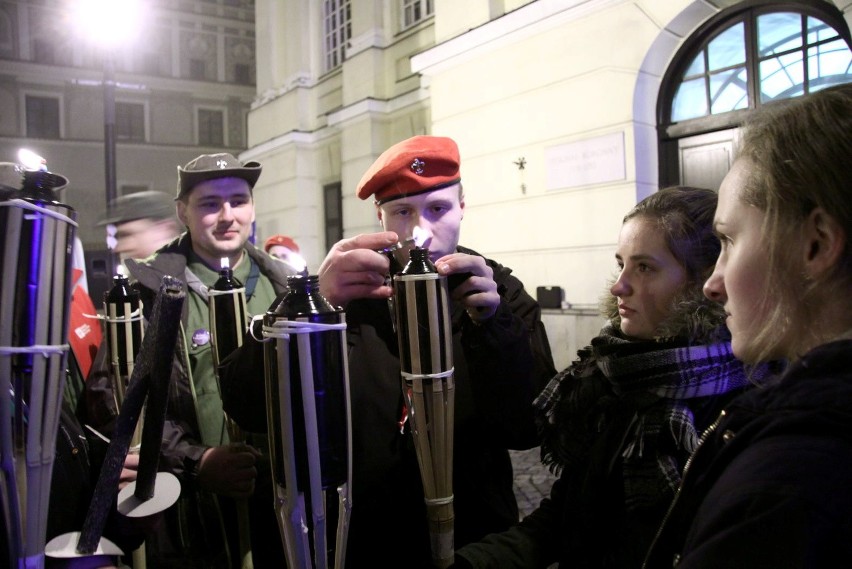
645,268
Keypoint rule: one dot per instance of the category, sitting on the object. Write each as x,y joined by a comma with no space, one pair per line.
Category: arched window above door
760,54
756,52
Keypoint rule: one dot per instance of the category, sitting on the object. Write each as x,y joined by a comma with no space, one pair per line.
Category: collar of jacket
171,260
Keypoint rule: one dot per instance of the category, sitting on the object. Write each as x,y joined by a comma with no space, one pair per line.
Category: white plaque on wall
591,161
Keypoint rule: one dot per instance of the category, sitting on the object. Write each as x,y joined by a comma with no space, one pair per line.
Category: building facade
183,86
566,112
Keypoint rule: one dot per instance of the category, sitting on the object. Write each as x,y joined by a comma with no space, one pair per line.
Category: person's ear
824,242
181,212
379,214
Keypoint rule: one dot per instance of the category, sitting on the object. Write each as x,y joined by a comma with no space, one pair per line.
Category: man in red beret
214,201
501,355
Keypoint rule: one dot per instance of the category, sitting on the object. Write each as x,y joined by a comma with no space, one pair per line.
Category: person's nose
714,287
422,232
621,286
226,214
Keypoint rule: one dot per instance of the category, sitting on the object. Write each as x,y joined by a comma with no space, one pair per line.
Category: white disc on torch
65,547
166,493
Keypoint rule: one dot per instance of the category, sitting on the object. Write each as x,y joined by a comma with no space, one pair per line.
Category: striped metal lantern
425,338
35,268
310,417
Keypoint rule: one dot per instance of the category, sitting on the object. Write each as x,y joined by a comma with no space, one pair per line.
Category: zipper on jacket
704,436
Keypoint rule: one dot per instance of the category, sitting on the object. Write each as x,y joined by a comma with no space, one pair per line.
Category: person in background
141,223
284,248
770,484
620,422
215,203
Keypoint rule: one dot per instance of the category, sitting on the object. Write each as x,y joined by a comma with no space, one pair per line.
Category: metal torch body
309,417
35,267
424,331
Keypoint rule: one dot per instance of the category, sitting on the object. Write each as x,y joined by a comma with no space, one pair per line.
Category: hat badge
222,164
418,166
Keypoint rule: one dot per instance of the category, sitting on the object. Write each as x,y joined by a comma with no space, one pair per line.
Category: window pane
211,127
690,101
727,49
696,67
829,64
728,91
819,31
778,32
42,117
782,77
337,31
130,121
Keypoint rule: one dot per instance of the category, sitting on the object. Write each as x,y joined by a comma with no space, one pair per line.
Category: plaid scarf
652,382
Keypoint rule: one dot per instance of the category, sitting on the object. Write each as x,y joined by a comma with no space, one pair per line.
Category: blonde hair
798,155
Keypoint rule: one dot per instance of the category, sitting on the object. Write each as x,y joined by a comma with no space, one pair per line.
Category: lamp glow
108,22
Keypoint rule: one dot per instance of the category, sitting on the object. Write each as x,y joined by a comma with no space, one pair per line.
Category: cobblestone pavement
532,479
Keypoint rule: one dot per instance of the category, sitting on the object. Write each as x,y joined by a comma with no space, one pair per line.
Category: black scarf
653,380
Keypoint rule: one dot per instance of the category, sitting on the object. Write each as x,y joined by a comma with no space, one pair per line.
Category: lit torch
124,329
228,325
426,363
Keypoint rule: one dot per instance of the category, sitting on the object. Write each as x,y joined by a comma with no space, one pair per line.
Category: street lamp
108,23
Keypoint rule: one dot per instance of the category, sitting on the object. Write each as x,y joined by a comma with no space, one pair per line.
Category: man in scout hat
215,203
501,355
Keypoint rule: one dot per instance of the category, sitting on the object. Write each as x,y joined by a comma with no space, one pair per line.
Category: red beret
282,240
413,166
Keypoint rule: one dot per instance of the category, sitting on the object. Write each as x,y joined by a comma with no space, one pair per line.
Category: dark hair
685,216
798,153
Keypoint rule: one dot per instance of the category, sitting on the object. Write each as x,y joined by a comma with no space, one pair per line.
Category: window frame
134,136
25,116
427,10
209,108
748,12
340,33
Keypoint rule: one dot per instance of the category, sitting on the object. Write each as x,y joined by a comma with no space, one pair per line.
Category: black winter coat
771,485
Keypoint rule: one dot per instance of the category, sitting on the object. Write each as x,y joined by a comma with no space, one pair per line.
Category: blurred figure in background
284,248
142,223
